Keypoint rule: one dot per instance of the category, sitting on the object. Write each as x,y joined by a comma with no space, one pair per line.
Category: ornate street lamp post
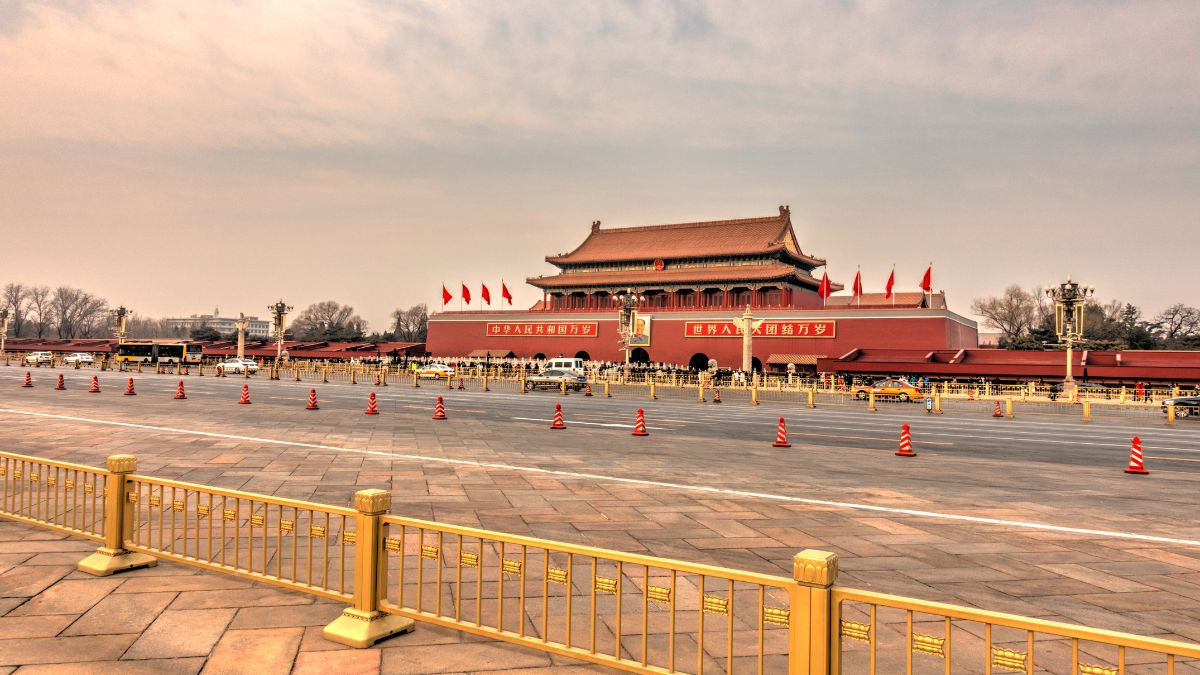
3,330
119,315
280,310
1069,300
627,303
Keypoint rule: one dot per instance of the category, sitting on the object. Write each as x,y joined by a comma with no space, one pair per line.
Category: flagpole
892,291
858,278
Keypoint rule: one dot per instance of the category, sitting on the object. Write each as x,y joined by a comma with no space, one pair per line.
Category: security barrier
629,611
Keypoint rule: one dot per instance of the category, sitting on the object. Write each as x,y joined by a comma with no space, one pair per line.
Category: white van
571,365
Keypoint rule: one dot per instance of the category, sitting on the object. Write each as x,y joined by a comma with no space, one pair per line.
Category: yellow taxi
897,389
435,371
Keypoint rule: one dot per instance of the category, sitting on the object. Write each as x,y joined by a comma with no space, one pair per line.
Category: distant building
256,327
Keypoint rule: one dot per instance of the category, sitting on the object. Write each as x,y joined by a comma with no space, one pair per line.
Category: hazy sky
177,156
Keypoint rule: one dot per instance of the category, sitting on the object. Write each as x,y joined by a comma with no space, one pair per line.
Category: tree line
72,313
1025,319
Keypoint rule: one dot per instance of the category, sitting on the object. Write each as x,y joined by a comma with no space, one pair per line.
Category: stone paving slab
177,619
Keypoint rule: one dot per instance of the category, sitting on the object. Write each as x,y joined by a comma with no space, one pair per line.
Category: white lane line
594,424
639,481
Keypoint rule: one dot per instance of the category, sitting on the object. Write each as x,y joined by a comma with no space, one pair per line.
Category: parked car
79,357
1092,388
554,379
897,389
239,366
38,358
435,371
1185,406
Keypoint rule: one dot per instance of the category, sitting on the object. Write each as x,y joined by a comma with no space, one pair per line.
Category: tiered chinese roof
720,252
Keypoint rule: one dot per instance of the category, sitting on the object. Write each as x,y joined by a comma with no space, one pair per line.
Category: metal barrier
632,612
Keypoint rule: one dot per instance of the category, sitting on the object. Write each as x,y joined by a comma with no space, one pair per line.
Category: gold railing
987,641
624,610
59,495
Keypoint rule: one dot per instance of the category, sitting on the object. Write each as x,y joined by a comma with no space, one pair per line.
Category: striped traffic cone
245,400
28,380
781,436
587,390
1137,464
179,395
439,410
996,411
376,379
60,385
95,388
558,418
461,386
186,371
312,400
639,424
716,395
372,409
129,388
905,443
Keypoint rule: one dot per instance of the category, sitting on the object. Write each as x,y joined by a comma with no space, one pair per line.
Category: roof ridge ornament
595,226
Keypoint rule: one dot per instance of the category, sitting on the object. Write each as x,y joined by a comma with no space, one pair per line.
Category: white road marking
639,481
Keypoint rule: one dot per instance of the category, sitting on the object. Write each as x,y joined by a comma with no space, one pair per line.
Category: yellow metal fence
629,611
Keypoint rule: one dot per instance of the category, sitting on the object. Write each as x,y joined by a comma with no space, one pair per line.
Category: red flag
504,293
823,291
487,297
927,280
858,283
891,282
446,297
466,294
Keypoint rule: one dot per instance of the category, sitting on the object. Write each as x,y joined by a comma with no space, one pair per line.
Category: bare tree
78,313
1013,313
412,324
328,320
1177,324
39,304
14,298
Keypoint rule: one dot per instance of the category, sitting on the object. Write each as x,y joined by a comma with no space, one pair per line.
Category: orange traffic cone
905,443
179,395
95,388
371,407
587,390
1136,463
639,424
186,371
245,400
28,380
781,436
558,418
439,410
716,395
376,379
129,388
460,384
60,385
996,411
312,400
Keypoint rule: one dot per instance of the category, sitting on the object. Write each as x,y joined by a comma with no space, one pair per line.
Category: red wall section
453,334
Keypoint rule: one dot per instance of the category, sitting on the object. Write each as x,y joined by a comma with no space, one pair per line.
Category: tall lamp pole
627,303
119,315
280,310
3,329
1069,300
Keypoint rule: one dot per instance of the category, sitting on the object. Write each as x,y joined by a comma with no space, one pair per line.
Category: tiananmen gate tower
693,281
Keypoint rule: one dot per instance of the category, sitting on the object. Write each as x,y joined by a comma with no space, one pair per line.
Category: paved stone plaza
1119,552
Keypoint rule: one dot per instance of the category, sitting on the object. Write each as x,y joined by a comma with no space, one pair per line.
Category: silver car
236,365
554,379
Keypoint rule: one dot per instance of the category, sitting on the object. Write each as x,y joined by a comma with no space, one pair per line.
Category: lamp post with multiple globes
1069,299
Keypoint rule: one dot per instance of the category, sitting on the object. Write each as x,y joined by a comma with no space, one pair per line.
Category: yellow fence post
754,395
563,386
937,402
362,624
449,381
383,376
812,633
1122,394
112,556
1087,410
416,381
1170,414
353,378
606,394
871,400
811,395
296,372
653,396
485,379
